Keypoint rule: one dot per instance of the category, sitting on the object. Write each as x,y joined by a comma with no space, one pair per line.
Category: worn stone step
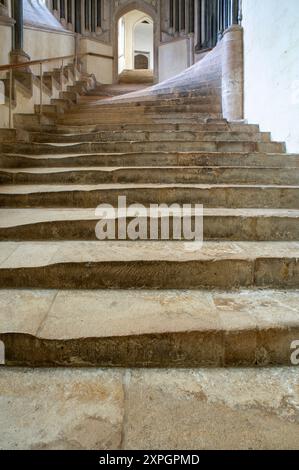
149,101
145,175
49,109
34,122
218,224
95,111
152,265
78,89
110,408
70,96
209,103
218,126
151,159
211,196
148,329
143,136
150,146
63,103
258,160
129,118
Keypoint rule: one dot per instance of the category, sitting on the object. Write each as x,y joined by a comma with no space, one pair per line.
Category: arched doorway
135,41
141,62
136,38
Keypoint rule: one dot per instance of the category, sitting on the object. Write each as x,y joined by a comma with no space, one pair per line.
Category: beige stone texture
196,409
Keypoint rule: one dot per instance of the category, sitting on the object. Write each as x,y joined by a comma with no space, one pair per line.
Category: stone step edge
88,215
66,225
230,335
123,265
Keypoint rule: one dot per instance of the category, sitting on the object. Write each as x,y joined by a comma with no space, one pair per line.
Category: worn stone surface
149,409
212,409
147,328
153,265
64,410
79,224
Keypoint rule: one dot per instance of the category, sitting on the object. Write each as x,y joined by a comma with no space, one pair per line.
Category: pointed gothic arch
148,10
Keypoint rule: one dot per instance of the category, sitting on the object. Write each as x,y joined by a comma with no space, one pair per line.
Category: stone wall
174,58
271,38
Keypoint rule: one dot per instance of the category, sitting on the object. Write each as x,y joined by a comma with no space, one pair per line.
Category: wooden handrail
53,59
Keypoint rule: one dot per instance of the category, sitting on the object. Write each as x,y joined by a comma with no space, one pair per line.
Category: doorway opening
136,46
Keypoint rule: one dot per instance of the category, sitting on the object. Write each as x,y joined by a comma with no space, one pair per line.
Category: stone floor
149,409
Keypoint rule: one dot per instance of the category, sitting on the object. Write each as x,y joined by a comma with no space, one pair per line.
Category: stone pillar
233,74
177,16
191,28
78,16
99,9
18,55
183,16
93,16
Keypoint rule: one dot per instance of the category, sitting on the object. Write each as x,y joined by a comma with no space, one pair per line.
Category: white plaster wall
102,68
41,44
174,58
144,40
5,43
271,55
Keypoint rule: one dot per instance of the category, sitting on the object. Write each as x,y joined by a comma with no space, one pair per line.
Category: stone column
182,16
171,17
93,16
99,15
17,54
191,28
177,16
77,16
233,74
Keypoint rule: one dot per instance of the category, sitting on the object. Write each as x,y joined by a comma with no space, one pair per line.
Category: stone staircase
136,76
70,300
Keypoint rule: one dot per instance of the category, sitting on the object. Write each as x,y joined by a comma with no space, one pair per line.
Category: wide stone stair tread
79,224
154,174
152,265
217,195
219,125
163,158
145,328
20,217
199,136
153,145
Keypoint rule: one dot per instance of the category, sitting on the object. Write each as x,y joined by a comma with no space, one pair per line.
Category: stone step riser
217,273
143,106
141,117
160,175
139,111
131,119
154,159
278,197
50,109
122,147
155,100
154,136
89,130
213,348
67,95
233,228
202,91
